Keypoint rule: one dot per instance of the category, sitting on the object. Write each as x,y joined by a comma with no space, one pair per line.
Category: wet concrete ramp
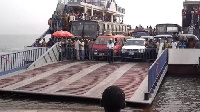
79,79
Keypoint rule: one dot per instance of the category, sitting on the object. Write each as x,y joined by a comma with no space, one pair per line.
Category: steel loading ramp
81,79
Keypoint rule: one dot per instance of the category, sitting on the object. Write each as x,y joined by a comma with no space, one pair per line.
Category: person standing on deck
86,47
77,44
60,49
50,43
197,45
182,45
157,45
37,43
91,42
44,44
110,46
82,50
174,44
54,21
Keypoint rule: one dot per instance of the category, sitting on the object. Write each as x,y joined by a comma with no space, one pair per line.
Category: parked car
187,37
100,45
134,48
129,37
190,39
163,37
138,34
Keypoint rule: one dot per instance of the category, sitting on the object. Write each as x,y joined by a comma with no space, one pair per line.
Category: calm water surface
13,43
178,93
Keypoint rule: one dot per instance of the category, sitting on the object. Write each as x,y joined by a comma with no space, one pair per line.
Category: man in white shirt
77,44
82,50
174,44
110,46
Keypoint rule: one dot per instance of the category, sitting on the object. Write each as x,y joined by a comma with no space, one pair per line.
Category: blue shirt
182,46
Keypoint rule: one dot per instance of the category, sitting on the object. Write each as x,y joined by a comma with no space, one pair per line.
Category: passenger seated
113,99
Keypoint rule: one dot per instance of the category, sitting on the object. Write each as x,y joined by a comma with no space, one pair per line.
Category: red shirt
199,11
183,12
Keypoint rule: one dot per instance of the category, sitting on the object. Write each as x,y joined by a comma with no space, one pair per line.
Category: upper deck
98,5
191,2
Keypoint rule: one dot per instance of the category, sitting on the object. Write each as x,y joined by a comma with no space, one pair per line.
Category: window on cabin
84,29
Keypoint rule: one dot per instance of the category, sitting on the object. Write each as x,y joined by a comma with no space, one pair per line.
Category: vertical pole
199,61
103,15
92,11
198,27
85,9
111,18
192,22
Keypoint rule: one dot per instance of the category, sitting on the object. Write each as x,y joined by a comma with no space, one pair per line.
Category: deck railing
98,3
10,62
148,54
50,56
155,71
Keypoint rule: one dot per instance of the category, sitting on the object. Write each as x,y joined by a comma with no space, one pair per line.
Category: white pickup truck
134,48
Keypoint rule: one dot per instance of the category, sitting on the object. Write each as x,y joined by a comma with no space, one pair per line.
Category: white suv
134,48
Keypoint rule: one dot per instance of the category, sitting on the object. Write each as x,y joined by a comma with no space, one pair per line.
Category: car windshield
139,34
135,42
81,28
102,41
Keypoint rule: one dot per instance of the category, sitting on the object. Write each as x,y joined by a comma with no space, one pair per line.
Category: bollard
199,61
146,96
198,67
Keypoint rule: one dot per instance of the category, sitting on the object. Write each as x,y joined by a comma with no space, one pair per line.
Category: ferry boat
45,74
87,18
39,70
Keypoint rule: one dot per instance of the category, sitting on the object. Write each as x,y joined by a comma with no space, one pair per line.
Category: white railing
51,56
21,59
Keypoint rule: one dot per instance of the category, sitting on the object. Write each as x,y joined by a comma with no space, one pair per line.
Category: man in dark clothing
113,99
151,51
197,45
110,46
50,43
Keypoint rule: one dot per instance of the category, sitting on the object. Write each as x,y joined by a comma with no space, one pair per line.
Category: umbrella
62,34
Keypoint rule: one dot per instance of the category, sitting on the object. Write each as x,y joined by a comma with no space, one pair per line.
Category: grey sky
31,16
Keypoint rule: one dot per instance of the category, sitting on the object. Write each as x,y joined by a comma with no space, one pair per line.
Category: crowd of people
82,49
149,29
189,14
174,44
72,48
76,48
60,20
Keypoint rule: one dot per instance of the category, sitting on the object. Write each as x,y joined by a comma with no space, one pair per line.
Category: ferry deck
38,71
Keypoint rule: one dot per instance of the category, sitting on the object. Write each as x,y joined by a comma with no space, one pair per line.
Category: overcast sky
31,16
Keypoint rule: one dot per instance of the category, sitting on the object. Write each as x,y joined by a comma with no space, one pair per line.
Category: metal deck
80,79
